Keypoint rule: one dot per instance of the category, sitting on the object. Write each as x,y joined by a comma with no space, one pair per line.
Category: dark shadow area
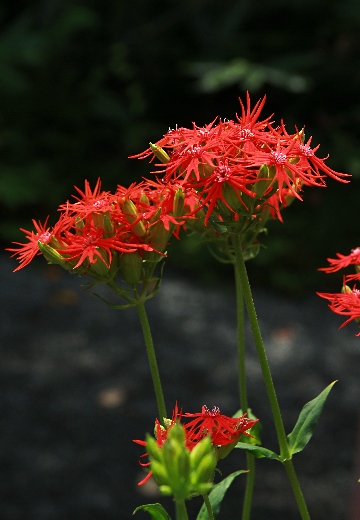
76,391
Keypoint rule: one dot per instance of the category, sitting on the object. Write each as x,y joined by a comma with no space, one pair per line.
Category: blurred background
85,84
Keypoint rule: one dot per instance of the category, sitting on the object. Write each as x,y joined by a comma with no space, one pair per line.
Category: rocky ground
75,391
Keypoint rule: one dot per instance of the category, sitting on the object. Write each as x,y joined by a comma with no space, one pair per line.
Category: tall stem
269,385
299,497
250,459
152,360
241,341
259,344
181,512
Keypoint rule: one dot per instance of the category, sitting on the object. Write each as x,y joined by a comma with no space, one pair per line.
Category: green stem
241,341
152,360
259,344
208,507
250,459
269,385
249,488
299,497
181,513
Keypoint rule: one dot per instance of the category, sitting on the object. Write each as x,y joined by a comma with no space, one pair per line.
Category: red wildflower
89,244
346,303
222,429
95,201
343,261
28,250
231,153
161,434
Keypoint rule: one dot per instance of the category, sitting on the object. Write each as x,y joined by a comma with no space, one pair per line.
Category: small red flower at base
222,429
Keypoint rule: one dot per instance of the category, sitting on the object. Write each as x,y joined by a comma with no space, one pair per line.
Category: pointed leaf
305,425
258,451
156,511
216,496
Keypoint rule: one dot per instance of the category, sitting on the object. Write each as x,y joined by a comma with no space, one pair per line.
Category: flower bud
158,237
178,203
53,257
232,197
159,153
132,215
130,265
264,179
203,462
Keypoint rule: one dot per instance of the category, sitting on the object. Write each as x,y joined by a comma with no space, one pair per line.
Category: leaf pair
302,432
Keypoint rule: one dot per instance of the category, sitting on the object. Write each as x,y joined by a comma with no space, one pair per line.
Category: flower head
221,430
224,160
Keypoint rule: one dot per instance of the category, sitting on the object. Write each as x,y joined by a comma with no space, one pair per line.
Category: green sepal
216,496
258,451
156,511
305,425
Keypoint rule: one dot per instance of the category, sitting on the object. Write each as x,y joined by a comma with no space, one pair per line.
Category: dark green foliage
85,84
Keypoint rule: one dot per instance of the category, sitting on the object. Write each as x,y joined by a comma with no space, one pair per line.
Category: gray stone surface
75,391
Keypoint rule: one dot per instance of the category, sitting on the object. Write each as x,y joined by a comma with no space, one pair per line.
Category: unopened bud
178,204
159,153
130,265
132,215
53,257
264,179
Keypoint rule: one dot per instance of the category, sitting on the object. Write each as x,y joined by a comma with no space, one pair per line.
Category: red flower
343,261
161,434
346,303
222,429
28,250
231,153
95,201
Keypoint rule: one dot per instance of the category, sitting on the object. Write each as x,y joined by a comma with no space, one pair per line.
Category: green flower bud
346,289
265,178
159,153
154,451
178,204
204,473
232,198
159,472
158,236
53,257
200,450
132,215
130,265
108,227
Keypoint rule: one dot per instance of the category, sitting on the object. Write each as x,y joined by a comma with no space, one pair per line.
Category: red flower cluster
347,302
94,234
236,173
222,429
244,165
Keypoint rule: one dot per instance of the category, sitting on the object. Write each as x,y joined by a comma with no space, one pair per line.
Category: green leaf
305,425
216,496
258,451
156,511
